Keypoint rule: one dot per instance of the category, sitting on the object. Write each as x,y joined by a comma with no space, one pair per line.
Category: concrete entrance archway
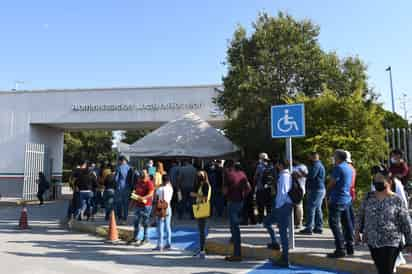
41,116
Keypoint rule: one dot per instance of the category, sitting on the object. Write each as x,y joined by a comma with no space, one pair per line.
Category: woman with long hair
158,178
201,193
163,212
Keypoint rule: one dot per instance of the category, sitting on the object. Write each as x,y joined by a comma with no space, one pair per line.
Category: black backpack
268,177
296,192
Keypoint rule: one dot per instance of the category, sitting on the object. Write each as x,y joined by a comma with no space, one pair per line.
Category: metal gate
33,164
400,138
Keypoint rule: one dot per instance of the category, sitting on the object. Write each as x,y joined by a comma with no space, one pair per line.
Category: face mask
379,186
394,161
260,161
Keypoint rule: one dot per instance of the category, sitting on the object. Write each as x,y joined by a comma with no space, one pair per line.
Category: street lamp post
404,101
390,78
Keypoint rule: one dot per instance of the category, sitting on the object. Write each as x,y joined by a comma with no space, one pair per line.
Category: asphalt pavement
48,249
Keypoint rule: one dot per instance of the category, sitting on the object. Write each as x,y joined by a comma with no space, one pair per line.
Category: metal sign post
292,219
288,121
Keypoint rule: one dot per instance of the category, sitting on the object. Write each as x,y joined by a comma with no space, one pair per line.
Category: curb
314,260
5,203
19,203
99,230
248,251
253,252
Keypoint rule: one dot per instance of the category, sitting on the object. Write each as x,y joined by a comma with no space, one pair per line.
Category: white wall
41,117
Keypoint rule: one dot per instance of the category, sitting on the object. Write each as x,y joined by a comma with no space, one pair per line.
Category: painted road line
268,268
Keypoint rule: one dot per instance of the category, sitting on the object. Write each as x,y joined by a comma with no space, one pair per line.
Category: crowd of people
266,194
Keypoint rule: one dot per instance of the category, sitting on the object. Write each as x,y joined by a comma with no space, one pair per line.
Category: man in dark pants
236,188
339,203
215,173
264,172
43,187
186,179
249,204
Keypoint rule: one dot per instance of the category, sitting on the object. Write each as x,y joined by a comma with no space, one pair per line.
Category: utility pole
392,94
404,100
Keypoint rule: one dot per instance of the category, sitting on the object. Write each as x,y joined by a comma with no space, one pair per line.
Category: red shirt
401,171
143,189
352,187
237,186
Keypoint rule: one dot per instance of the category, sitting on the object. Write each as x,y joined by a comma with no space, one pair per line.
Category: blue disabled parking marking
269,268
182,238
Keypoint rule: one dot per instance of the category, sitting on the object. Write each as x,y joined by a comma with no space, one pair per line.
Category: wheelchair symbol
287,123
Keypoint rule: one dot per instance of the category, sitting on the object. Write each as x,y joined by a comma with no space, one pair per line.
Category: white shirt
302,170
165,193
284,186
399,190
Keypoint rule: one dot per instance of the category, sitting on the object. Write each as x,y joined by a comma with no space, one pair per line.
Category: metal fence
400,138
34,163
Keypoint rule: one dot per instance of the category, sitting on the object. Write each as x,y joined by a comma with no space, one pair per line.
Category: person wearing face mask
397,188
383,220
395,184
398,166
151,169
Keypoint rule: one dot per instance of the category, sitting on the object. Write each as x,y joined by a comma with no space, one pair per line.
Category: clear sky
106,43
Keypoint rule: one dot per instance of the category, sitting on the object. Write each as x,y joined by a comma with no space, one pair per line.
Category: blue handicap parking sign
288,121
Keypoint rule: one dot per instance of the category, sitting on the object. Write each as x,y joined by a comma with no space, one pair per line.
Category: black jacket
84,180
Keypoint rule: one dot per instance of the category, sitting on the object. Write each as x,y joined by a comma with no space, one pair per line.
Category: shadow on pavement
98,250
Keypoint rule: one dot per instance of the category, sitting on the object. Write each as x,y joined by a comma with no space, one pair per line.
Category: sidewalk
309,251
15,201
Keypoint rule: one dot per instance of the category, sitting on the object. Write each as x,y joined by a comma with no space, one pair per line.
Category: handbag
202,209
161,207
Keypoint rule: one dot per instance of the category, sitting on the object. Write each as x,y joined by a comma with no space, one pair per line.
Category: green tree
344,76
132,136
281,59
343,122
87,145
393,120
346,122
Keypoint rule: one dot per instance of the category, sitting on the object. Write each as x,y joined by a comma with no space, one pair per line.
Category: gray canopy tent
187,137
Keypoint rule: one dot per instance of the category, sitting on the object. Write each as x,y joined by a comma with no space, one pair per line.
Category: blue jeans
108,198
340,214
235,210
122,203
164,224
142,216
202,226
314,215
282,216
86,206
